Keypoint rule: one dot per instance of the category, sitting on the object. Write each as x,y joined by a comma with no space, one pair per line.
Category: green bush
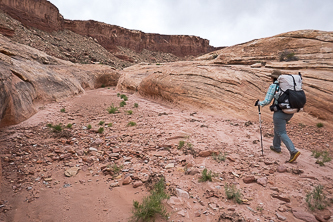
152,204
122,104
101,122
233,193
316,199
89,126
205,176
124,97
109,124
324,157
63,110
136,105
287,56
131,124
112,109
319,125
100,130
219,158
181,144
129,112
69,125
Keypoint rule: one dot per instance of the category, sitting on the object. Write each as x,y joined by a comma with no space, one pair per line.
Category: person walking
280,120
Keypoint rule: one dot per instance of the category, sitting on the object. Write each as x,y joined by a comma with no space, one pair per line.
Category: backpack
291,95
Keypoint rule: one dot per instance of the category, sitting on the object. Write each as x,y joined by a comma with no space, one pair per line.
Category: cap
275,74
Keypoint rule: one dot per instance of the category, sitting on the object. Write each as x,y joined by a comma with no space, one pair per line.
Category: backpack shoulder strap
293,81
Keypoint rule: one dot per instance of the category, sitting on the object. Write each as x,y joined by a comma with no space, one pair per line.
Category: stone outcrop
111,36
40,14
30,77
218,85
43,15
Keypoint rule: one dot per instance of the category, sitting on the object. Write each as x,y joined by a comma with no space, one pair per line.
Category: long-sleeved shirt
269,95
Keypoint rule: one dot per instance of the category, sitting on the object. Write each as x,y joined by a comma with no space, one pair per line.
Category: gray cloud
223,22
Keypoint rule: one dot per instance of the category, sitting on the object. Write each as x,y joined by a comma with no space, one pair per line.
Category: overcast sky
222,22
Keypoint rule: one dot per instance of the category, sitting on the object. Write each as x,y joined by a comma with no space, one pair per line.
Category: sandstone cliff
43,15
228,82
30,78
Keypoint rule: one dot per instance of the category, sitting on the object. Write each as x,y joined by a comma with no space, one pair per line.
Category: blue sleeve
269,95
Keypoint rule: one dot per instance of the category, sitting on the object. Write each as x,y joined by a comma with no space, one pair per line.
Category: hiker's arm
269,95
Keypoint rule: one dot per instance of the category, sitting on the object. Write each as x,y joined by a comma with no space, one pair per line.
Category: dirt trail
34,159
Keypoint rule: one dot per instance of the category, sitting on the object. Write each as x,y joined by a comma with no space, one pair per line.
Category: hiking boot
272,148
294,156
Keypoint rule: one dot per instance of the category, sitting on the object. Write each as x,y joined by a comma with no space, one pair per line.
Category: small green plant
89,126
49,125
316,199
260,208
152,204
136,105
180,144
287,56
233,193
116,169
69,125
63,110
319,125
205,176
325,157
124,97
129,112
100,130
101,122
112,109
57,127
118,94
103,86
131,124
122,104
219,158
109,124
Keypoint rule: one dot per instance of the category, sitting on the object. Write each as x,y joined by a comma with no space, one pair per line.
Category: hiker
280,120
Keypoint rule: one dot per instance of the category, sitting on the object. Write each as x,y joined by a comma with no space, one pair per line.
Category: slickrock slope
230,80
30,77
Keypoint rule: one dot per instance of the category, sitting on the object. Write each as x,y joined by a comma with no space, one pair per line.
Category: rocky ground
72,175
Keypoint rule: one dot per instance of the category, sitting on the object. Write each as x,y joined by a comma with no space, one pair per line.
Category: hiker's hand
256,104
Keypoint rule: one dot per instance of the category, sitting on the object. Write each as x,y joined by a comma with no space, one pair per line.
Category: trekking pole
262,150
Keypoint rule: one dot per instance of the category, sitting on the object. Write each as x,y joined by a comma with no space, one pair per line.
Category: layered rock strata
30,77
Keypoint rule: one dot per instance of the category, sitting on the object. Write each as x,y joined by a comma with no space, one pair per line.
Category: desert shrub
112,109
181,144
89,126
287,56
131,124
152,204
109,124
122,104
316,199
118,94
136,105
101,122
219,158
63,110
325,157
319,125
233,193
129,112
205,176
124,97
69,125
100,130
57,127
